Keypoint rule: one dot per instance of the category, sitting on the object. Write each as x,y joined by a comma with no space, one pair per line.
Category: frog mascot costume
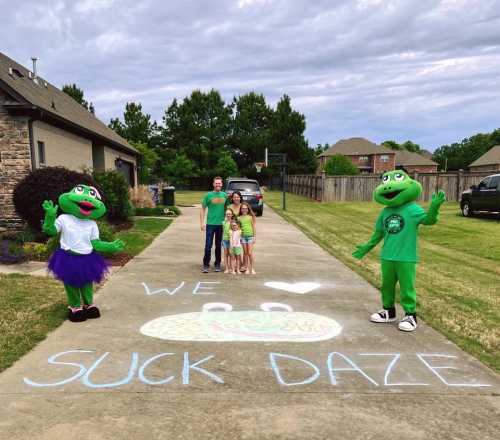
398,225
76,263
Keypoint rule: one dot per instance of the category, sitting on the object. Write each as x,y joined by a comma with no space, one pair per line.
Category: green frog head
83,202
397,188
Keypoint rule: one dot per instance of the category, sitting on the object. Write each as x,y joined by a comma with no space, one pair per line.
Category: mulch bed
119,259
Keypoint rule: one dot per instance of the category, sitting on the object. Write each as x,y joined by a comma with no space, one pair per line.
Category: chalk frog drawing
266,325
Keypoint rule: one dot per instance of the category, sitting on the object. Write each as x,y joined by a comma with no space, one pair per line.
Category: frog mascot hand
398,225
76,263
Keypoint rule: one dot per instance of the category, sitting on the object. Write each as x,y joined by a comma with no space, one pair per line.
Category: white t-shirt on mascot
76,233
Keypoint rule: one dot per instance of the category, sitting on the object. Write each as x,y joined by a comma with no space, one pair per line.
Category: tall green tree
287,136
408,145
459,155
251,129
77,94
147,162
226,166
199,127
393,145
137,125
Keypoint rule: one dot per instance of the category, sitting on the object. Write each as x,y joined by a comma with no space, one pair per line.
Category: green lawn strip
142,233
30,307
458,280
188,198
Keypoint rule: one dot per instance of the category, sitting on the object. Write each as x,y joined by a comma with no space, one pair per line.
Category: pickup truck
482,197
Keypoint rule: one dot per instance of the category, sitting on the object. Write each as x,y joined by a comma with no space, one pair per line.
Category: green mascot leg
87,292
406,273
73,295
389,280
76,313
92,311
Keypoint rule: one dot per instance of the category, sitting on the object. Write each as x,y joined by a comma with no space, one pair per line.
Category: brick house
489,161
367,156
42,126
414,162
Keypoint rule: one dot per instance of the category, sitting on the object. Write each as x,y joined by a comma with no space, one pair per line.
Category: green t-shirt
246,225
215,202
400,227
226,228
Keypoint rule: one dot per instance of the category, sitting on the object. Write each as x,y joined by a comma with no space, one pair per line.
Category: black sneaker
384,315
77,315
92,312
217,268
205,269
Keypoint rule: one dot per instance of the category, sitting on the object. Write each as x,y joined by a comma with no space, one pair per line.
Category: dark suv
250,192
483,197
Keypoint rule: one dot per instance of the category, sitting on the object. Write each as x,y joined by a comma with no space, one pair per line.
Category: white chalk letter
162,290
200,287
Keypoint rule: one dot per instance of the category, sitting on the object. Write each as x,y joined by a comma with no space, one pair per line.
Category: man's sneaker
384,315
205,269
217,268
408,323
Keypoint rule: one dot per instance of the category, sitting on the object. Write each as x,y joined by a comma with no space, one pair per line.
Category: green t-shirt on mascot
397,225
77,262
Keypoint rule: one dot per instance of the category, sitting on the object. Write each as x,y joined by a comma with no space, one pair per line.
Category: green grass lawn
30,307
142,233
458,281
187,198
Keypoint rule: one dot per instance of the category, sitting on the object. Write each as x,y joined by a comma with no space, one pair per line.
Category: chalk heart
301,288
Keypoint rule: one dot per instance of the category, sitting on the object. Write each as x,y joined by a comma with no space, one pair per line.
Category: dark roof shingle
356,146
54,101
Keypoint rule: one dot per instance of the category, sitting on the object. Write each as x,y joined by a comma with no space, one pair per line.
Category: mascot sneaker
77,314
384,315
92,312
408,323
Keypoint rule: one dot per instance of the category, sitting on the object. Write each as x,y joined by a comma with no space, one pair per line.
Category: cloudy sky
424,70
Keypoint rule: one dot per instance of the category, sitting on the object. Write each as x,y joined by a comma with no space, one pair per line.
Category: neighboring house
42,126
367,156
489,161
414,162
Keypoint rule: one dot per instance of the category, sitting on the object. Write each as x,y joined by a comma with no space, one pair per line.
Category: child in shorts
226,237
248,236
236,249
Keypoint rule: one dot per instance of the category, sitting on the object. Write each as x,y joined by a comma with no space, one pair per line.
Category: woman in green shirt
235,203
248,236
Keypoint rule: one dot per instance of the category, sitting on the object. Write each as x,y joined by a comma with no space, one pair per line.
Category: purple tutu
78,270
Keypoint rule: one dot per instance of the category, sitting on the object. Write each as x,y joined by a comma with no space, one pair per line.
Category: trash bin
169,196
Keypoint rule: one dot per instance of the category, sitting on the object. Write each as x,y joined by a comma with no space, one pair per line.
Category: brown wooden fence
360,188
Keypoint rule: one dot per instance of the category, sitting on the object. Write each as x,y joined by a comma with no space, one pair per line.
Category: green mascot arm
432,216
108,246
363,249
49,220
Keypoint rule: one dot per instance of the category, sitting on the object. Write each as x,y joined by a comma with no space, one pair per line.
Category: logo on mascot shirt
394,224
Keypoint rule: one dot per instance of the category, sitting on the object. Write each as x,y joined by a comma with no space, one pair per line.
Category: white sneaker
383,316
408,323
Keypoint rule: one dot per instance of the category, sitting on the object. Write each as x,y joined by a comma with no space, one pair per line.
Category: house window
384,158
363,158
41,153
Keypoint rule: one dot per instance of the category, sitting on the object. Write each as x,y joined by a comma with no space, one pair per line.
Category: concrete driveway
286,354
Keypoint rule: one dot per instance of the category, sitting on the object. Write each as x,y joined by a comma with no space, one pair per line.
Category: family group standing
230,224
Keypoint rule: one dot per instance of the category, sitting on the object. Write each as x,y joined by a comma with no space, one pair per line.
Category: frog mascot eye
77,262
397,225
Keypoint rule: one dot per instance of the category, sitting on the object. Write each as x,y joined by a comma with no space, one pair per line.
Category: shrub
45,184
11,252
36,251
340,165
141,197
115,188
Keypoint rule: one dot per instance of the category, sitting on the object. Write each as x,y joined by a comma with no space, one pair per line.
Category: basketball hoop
259,166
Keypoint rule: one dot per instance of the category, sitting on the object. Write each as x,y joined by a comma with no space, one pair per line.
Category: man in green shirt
397,225
214,202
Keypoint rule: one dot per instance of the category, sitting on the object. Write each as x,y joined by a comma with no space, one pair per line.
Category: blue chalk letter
188,366
276,369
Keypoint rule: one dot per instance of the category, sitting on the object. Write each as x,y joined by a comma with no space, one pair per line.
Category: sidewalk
320,370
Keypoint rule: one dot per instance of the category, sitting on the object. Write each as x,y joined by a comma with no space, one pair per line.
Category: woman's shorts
225,244
236,251
247,240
